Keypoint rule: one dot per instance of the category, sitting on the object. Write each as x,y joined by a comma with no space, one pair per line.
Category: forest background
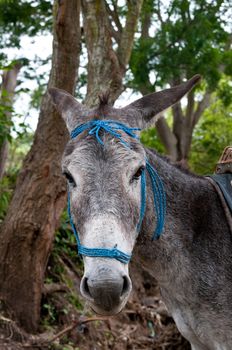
129,48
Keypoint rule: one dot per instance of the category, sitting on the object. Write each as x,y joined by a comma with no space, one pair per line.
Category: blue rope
112,127
109,126
159,199
143,200
72,223
112,253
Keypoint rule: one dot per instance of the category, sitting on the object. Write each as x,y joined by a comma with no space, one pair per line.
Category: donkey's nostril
126,288
85,288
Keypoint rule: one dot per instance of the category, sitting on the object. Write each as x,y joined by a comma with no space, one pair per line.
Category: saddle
222,182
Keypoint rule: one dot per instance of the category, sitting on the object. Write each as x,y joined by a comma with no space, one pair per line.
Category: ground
68,324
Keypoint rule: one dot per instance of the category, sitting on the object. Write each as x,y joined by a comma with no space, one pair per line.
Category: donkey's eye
138,173
69,178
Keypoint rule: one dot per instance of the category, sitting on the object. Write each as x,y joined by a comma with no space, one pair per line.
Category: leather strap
222,192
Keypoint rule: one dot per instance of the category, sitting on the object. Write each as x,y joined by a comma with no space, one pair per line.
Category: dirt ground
143,324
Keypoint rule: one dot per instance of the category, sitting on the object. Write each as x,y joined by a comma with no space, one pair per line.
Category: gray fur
192,260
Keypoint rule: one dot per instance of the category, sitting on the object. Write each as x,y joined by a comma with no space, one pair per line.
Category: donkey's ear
67,106
156,102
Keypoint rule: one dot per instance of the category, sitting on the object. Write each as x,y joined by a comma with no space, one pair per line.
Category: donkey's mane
103,99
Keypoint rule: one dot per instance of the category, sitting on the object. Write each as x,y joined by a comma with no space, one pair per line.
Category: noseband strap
112,127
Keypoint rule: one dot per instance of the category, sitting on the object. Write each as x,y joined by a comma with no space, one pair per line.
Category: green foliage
36,96
211,136
5,123
191,37
65,240
20,17
150,139
64,264
7,185
49,314
81,83
74,299
18,148
227,59
7,115
225,92
40,79
141,65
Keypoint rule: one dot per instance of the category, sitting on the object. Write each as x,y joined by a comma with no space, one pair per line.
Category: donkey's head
104,164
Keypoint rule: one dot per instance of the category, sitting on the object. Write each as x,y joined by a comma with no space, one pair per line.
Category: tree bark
40,195
9,82
106,64
184,123
167,137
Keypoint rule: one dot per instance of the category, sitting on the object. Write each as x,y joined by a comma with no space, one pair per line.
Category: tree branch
202,105
103,67
74,325
145,23
114,15
178,126
9,82
190,109
167,137
158,13
107,66
126,42
50,288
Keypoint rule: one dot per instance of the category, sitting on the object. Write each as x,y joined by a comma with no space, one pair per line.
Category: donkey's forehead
130,117
86,149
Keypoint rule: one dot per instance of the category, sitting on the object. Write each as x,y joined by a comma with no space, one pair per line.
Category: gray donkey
106,166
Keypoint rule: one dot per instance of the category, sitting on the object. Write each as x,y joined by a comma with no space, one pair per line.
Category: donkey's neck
194,218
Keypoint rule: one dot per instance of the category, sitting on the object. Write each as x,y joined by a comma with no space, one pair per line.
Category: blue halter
112,127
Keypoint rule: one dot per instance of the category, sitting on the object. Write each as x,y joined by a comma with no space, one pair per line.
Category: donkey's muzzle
106,292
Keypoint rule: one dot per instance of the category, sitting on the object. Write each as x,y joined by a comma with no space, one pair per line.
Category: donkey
112,212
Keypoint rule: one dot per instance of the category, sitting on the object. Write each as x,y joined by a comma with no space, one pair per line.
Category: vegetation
175,42
211,136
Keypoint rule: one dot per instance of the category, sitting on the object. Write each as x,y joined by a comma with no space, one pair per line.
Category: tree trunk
184,122
9,82
40,195
167,138
106,64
